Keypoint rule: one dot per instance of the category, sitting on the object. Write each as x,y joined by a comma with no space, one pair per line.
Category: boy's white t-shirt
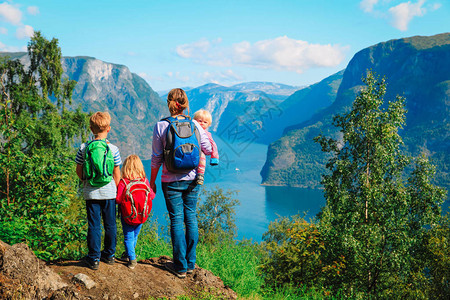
106,192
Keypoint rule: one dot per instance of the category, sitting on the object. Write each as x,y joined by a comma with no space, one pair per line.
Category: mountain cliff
132,103
416,68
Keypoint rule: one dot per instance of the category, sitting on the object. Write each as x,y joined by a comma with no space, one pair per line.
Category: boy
100,200
204,118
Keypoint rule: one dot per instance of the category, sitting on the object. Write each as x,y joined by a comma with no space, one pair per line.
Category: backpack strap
172,119
105,167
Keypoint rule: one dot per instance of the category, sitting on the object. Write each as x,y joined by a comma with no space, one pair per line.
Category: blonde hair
177,101
133,168
203,114
99,122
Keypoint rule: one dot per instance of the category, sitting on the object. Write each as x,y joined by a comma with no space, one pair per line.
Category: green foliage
437,257
234,262
215,215
375,220
293,261
37,179
293,249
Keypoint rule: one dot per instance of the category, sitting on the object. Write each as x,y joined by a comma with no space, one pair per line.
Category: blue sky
191,43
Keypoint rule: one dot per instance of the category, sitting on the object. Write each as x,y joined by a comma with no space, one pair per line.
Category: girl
133,171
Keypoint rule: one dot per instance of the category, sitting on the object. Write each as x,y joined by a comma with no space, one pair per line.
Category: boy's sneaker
108,260
189,271
170,266
91,264
132,264
200,179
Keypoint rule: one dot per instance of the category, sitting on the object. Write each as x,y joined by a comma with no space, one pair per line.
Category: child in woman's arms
204,118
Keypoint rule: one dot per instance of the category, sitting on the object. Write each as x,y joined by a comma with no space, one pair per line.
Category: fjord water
240,164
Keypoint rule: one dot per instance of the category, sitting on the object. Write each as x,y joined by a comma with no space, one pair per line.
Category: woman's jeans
96,211
181,202
130,237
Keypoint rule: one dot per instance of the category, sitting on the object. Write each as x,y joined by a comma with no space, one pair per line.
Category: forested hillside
416,68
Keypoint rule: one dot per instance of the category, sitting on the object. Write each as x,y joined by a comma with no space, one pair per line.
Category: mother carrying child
178,182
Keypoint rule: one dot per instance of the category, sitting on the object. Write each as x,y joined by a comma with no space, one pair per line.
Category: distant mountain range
416,68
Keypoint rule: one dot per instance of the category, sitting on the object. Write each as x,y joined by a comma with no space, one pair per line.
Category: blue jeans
181,202
130,237
97,210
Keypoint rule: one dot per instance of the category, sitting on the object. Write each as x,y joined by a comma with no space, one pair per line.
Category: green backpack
98,163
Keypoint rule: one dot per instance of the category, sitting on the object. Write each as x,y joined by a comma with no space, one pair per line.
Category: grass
235,263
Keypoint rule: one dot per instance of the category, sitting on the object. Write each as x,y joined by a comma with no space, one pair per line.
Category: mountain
416,68
276,91
102,86
302,105
132,103
259,111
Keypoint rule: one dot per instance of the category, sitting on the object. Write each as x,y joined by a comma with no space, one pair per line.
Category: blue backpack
182,150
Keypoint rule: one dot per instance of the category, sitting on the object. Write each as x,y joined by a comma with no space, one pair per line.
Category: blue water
240,164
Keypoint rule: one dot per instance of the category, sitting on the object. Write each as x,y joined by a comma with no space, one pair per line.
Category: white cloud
220,77
6,48
288,54
194,49
3,30
10,13
435,6
403,13
367,5
281,53
178,76
33,10
24,32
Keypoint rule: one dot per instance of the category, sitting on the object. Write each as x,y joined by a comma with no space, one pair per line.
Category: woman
179,188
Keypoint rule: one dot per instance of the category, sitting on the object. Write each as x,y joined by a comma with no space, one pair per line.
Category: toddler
203,117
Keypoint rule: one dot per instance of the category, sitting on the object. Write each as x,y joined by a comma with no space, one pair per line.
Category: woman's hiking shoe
91,264
108,260
189,271
132,264
123,257
170,266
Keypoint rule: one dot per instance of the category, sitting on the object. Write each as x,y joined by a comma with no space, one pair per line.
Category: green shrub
37,179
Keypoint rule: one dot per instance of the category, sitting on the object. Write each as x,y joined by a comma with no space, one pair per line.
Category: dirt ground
23,276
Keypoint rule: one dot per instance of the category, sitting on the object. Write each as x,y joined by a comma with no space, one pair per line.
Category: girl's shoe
132,264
